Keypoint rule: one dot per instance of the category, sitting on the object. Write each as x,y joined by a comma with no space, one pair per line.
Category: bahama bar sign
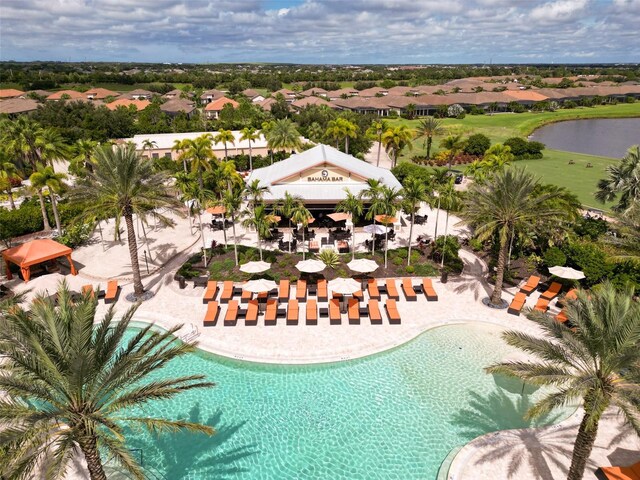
324,175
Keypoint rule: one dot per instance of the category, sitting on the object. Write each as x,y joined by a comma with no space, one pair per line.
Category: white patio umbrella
375,228
310,266
260,285
255,267
363,265
344,286
566,272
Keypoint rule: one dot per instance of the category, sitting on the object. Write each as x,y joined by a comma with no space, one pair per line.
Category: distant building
211,95
66,95
176,106
303,102
125,102
139,94
213,109
253,95
10,93
18,106
100,93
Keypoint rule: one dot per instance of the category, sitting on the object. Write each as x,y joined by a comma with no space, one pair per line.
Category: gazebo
34,252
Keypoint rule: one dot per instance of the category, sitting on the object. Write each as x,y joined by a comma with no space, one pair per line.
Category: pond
610,137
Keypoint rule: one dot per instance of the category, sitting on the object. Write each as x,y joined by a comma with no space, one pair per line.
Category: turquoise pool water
394,415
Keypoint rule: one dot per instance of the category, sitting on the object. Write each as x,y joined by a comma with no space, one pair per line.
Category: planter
444,276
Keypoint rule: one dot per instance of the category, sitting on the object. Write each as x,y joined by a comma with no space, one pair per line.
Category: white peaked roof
277,176
166,140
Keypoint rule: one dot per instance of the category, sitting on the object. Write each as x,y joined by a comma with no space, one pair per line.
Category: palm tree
79,381
83,150
151,144
302,216
353,206
249,134
505,204
199,152
260,220
283,135
46,177
413,193
372,195
386,204
8,173
335,131
196,199
439,178
123,184
22,138
597,363
232,202
376,130
450,199
429,127
287,207
629,238
396,139
52,147
179,146
256,192
224,137
454,144
341,128
622,182
266,129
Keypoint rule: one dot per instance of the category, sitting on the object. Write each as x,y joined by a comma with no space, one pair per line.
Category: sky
322,31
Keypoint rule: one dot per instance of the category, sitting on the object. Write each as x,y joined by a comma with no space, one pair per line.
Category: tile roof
71,93
18,105
10,93
178,105
126,102
101,93
266,104
250,93
219,103
303,102
213,93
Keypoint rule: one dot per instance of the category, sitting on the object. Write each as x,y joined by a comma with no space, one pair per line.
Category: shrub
477,144
329,257
76,235
591,227
405,170
410,269
455,110
590,258
476,245
449,249
523,149
554,257
397,261
22,221
425,270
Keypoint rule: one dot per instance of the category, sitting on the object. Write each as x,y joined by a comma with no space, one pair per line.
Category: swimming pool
394,415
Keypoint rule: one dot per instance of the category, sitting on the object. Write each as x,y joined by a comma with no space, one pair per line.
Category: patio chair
562,316
88,290
312,312
271,313
632,472
210,292
407,289
251,318
552,292
227,292
429,292
334,312
372,288
374,312
314,247
392,311
517,303
392,291
112,291
211,317
359,295
231,317
531,285
246,296
292,312
542,305
322,294
284,290
354,311
301,290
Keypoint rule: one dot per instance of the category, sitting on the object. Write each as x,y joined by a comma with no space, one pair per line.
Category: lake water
609,137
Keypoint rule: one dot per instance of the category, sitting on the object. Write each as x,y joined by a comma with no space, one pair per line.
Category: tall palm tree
256,192
151,144
259,219
266,129
250,134
22,138
302,216
387,204
622,182
454,144
341,128
505,204
123,184
232,202
46,177
196,199
78,381
597,363
376,130
414,192
8,173
179,146
283,135
429,127
83,151
199,152
52,147
628,239
353,206
450,199
224,137
371,195
43,209
396,139
439,178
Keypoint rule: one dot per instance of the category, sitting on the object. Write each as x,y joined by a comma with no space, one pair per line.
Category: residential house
253,95
66,95
303,102
213,109
126,102
10,93
342,93
177,106
289,95
172,94
17,106
314,91
139,94
100,94
211,95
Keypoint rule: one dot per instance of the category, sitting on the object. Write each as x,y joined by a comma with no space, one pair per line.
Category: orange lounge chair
542,305
517,303
292,312
112,291
429,292
227,292
210,292
392,291
359,295
631,472
392,311
246,296
531,285
372,288
231,317
301,290
407,289
271,313
571,294
354,310
312,312
552,292
562,316
88,290
284,290
322,294
374,312
251,317
211,317
314,247
334,311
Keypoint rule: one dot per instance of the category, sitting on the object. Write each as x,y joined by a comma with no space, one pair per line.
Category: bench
354,311
542,305
552,292
112,291
531,285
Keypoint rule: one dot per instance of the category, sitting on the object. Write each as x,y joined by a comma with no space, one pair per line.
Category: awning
34,252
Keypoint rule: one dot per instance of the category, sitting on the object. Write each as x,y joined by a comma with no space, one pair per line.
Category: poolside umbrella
339,216
385,219
260,285
219,210
255,267
511,384
310,266
276,218
344,286
566,272
363,265
375,228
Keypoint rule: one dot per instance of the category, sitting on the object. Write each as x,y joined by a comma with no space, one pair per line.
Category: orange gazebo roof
36,251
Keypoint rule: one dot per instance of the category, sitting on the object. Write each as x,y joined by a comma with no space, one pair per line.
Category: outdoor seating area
551,300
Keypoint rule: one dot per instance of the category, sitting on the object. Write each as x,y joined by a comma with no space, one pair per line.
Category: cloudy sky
322,31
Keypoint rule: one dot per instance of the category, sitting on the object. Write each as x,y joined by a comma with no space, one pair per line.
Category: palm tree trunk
386,245
435,233
346,144
373,241
138,289
200,182
225,151
235,241
496,296
94,464
582,448
379,149
291,238
353,237
250,158
429,140
184,165
413,216
303,257
43,209
260,245
56,215
12,205
444,243
204,245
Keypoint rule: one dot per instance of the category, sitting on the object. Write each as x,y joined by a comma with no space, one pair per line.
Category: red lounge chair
407,289
322,294
531,285
392,311
292,312
301,290
271,313
112,291
231,317
252,313
334,311
210,292
227,292
372,288
246,296
284,290
429,292
312,312
542,305
354,310
374,312
552,292
517,303
211,317
392,291
631,472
